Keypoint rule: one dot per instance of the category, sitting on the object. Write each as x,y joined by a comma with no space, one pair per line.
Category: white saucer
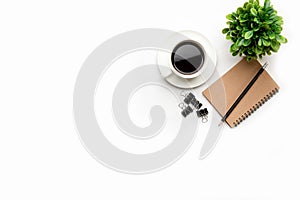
164,61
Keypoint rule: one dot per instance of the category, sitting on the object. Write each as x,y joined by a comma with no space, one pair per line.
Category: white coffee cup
179,78
187,59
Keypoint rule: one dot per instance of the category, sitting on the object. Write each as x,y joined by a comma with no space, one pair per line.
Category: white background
42,47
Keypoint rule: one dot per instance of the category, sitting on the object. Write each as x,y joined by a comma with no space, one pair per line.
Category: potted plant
255,30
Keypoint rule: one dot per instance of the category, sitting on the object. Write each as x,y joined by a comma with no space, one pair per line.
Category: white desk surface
43,46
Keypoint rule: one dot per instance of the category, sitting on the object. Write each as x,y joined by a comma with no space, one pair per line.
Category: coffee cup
187,59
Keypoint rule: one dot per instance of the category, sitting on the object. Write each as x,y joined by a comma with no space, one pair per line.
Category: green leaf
246,43
266,42
228,36
281,39
239,28
243,18
258,51
269,21
253,11
277,29
256,29
275,45
270,11
249,58
249,6
239,10
248,34
234,15
235,53
279,22
267,3
230,17
259,42
271,35
239,42
225,30
273,15
261,12
233,48
235,32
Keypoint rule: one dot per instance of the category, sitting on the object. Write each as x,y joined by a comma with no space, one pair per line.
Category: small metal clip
189,98
182,105
185,112
203,113
197,105
204,119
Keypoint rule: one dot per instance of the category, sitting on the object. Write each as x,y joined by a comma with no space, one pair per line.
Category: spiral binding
255,107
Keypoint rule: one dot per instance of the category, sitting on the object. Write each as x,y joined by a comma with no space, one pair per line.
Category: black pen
244,92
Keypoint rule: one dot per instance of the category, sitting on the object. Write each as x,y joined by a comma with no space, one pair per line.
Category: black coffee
187,57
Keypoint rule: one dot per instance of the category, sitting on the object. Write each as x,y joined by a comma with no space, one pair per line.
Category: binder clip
197,105
190,99
186,110
203,113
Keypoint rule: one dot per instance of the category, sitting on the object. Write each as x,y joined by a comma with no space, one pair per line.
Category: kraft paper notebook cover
223,92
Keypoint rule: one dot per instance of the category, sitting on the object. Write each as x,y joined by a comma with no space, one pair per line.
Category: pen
244,92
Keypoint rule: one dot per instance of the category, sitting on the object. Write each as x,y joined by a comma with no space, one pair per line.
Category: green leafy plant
255,30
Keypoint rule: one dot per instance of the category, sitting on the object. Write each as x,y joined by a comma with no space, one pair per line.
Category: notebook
223,92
